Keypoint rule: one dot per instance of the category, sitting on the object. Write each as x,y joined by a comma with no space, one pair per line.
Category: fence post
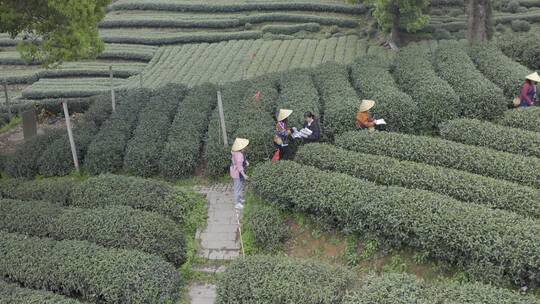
222,119
113,97
7,98
70,135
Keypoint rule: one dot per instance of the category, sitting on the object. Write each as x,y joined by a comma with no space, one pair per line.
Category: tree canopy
53,31
393,15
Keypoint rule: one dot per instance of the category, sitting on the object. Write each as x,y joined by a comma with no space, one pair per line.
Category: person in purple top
238,169
527,94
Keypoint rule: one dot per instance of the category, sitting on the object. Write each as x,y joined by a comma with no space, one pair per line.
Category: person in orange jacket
363,118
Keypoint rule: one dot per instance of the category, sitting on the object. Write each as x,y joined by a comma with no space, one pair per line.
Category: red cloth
525,93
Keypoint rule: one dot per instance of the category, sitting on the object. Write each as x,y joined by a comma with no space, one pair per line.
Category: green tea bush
143,150
87,271
267,226
112,226
50,189
525,48
415,75
338,98
274,279
404,288
444,153
295,18
117,51
490,244
512,6
298,93
372,80
106,152
520,25
526,119
486,134
178,38
180,155
461,185
12,293
291,29
503,71
479,97
145,194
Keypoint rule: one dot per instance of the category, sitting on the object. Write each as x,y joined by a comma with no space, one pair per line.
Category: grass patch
15,121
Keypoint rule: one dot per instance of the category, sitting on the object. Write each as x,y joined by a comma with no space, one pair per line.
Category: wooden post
70,135
222,119
113,97
7,98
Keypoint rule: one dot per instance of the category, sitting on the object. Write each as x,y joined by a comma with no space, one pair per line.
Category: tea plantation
453,181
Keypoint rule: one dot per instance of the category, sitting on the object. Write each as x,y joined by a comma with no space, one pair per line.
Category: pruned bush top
492,245
275,279
444,153
525,119
267,226
12,293
88,271
461,185
525,48
56,190
298,93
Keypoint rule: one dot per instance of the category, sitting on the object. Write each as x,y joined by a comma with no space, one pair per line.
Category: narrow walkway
219,241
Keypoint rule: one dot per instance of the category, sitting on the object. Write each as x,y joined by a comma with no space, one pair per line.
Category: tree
480,27
53,31
393,15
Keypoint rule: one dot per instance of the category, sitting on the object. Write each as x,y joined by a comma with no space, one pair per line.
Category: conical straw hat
366,105
283,114
239,144
534,77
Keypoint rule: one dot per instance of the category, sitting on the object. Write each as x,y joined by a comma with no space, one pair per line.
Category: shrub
143,150
406,288
442,34
520,26
500,28
416,76
113,226
338,97
512,6
274,279
145,194
291,29
180,155
440,152
374,81
50,189
524,48
467,235
503,71
486,134
526,119
464,186
153,38
267,226
87,270
479,97
298,93
106,152
13,293
295,18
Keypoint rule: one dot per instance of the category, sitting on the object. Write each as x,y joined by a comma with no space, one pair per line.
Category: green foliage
444,153
464,186
143,150
57,30
520,25
50,189
493,245
416,76
145,194
479,97
372,79
338,98
526,119
180,155
298,93
486,134
13,293
153,38
276,279
394,288
524,48
291,29
409,12
88,271
266,224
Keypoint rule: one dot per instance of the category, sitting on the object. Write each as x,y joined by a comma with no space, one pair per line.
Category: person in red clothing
527,94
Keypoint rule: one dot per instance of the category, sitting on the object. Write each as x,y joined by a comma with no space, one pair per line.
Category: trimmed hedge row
497,67
266,225
245,117
106,152
277,279
12,293
415,75
291,29
177,38
372,80
87,270
286,17
490,244
486,134
180,155
298,93
527,119
113,226
76,105
461,185
236,7
143,151
479,97
405,288
444,153
56,190
523,48
337,97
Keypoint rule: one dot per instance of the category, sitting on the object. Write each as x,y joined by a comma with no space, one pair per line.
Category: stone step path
219,240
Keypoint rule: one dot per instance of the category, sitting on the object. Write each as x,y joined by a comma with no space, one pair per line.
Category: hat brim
534,77
284,114
239,144
366,105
